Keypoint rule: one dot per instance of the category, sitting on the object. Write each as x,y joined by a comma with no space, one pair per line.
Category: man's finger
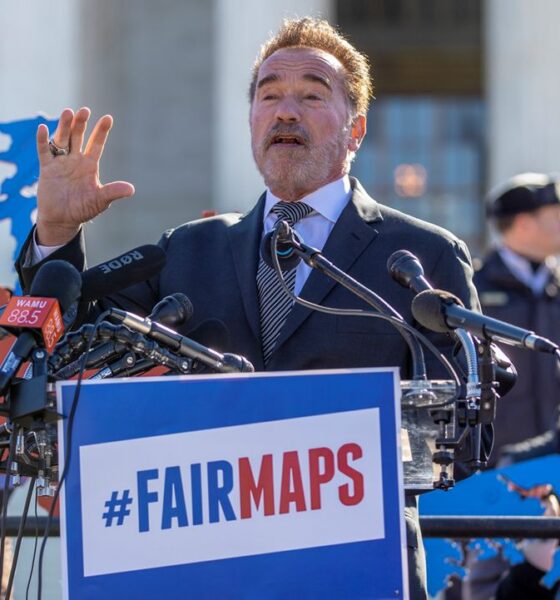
61,135
43,150
78,129
98,137
116,190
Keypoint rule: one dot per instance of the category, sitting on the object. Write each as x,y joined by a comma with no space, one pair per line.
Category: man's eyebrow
318,79
272,78
268,79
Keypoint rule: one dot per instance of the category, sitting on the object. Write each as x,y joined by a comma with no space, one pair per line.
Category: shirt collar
329,200
522,269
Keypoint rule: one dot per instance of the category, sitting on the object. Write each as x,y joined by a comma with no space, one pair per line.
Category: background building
465,98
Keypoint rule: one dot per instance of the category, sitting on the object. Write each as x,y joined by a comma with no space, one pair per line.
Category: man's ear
523,221
357,132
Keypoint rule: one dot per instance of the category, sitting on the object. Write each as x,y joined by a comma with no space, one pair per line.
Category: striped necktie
274,303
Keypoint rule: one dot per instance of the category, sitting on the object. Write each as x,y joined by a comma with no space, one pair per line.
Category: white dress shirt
38,251
328,202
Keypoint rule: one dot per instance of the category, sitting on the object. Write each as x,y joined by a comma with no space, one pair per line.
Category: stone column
523,87
240,29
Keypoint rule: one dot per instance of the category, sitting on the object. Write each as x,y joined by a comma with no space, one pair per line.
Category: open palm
69,191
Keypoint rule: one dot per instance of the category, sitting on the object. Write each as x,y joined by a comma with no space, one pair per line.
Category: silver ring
57,150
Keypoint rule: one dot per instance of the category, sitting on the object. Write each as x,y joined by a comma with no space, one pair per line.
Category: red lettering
249,489
291,490
318,476
347,497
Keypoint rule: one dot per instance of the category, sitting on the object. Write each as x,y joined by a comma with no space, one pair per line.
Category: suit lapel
245,237
351,235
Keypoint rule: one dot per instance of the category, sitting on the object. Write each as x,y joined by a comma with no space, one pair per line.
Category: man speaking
309,96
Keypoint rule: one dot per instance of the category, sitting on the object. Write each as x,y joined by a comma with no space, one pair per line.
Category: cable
20,537
5,502
34,550
363,313
68,448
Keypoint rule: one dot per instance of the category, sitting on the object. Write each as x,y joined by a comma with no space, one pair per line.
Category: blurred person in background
496,578
519,282
523,580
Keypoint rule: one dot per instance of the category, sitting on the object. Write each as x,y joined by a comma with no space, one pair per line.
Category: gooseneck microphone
284,249
443,312
406,269
174,310
121,272
56,280
223,363
290,249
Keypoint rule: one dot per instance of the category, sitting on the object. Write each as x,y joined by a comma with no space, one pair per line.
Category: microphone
173,310
287,239
55,288
223,363
121,272
441,311
406,269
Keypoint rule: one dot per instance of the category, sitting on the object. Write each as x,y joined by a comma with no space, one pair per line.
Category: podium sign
234,486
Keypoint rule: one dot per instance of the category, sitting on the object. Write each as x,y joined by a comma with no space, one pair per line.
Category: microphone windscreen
428,308
57,279
173,310
213,334
398,256
287,258
121,272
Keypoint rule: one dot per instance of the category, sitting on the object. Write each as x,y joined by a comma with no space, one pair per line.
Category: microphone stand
313,257
467,414
29,408
473,411
488,397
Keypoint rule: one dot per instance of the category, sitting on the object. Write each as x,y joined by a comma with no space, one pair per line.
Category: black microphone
223,363
441,311
287,239
56,279
121,272
173,310
406,269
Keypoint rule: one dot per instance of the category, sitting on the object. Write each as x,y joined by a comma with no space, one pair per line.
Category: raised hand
69,191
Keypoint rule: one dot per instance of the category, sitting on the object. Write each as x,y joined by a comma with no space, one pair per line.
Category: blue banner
18,179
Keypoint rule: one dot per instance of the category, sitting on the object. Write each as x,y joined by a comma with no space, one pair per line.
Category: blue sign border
124,409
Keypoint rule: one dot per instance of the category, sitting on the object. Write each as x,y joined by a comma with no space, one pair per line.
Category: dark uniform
529,409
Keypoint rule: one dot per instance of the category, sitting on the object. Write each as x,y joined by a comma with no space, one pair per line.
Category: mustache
286,130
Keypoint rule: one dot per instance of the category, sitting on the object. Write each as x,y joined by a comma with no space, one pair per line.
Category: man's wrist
54,234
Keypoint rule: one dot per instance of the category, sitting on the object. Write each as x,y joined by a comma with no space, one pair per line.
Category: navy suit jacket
214,262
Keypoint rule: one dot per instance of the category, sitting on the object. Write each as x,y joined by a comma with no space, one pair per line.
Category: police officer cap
523,193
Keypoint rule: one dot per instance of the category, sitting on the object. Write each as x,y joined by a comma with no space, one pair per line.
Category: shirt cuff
40,252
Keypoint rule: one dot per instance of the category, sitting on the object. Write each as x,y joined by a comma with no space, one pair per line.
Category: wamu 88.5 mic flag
36,320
